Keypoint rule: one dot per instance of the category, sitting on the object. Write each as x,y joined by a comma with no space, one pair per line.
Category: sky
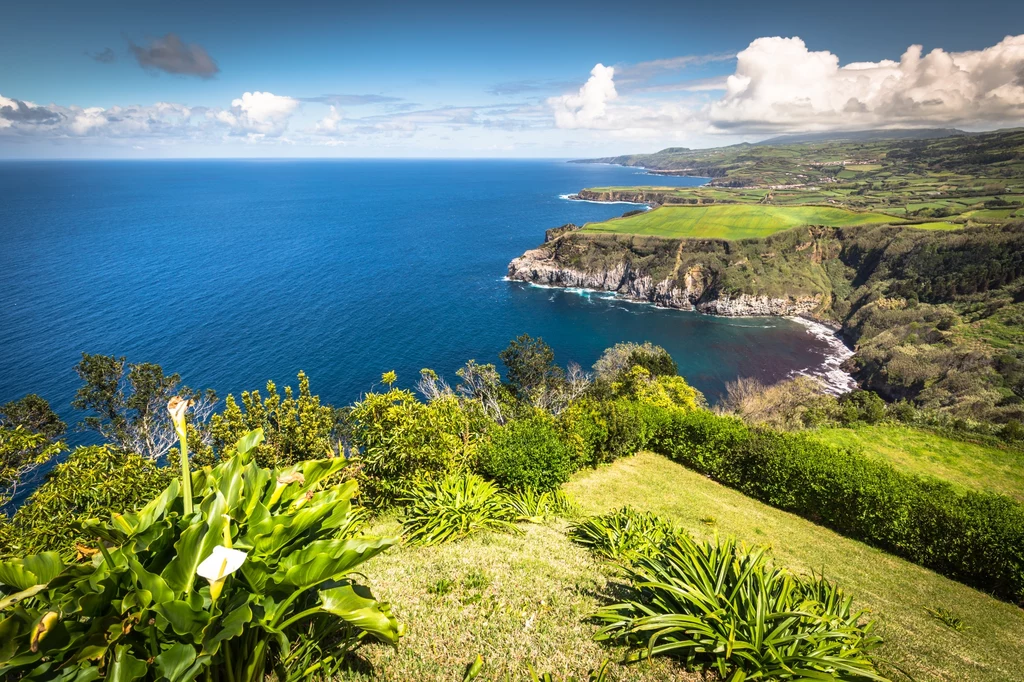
524,79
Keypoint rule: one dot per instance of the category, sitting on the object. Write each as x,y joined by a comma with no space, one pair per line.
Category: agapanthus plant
236,573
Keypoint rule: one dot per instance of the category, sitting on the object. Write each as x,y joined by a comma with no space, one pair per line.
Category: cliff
712,276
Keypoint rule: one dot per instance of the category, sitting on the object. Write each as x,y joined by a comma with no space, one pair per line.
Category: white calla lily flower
221,563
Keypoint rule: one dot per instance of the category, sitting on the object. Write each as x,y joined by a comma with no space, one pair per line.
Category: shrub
527,453
403,442
282,601
295,428
977,538
530,505
583,429
623,535
623,356
629,426
717,605
93,480
455,507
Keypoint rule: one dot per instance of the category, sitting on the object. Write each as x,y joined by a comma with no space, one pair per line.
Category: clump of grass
441,587
708,520
530,505
717,604
947,618
623,535
454,507
476,579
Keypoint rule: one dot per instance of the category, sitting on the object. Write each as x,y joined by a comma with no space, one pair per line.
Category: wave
836,380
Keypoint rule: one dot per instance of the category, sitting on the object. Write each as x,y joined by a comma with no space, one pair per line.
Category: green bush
454,507
623,535
976,538
403,442
583,429
249,576
93,480
527,453
717,605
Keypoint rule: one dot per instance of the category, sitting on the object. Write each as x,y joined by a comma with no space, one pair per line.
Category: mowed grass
897,592
516,600
733,221
967,465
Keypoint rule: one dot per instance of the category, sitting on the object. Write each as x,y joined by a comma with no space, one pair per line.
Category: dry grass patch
514,599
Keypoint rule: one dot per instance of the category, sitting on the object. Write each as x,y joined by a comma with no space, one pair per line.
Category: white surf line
831,373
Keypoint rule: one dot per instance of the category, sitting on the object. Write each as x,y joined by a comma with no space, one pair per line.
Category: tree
34,414
128,403
531,367
29,432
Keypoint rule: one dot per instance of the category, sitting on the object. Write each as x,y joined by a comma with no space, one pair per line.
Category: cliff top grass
733,221
896,592
966,465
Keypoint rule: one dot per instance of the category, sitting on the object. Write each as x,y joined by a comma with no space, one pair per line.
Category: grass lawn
735,221
895,591
921,452
515,600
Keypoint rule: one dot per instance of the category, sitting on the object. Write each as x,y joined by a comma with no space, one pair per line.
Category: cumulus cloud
328,125
589,106
780,85
171,55
16,111
260,112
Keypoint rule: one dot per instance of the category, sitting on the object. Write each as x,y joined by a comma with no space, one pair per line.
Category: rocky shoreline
696,293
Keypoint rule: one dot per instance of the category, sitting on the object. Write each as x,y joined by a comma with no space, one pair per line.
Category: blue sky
131,79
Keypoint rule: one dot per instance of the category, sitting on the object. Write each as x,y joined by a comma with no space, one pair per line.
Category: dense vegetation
283,516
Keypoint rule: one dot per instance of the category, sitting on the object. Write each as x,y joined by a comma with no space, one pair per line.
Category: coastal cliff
711,276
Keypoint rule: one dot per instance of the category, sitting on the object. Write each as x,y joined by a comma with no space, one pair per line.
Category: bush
403,442
977,538
455,507
623,356
92,481
623,535
714,604
167,596
527,453
583,429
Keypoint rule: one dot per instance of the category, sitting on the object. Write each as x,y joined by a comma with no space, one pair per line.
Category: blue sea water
235,272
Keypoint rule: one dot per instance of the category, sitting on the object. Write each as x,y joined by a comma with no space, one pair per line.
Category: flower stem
186,476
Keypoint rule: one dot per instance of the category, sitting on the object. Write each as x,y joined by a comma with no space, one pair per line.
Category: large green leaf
248,442
173,662
151,582
38,569
227,627
125,667
355,605
195,544
183,619
328,559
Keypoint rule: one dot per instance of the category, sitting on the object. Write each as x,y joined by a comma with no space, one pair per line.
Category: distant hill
818,158
865,135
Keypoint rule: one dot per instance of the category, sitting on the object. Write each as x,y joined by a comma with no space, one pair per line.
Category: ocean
235,272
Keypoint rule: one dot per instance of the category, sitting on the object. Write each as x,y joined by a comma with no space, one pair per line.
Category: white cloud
587,108
780,84
329,123
89,119
261,112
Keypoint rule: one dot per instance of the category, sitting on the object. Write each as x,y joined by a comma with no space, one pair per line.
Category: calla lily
177,407
42,629
283,481
221,563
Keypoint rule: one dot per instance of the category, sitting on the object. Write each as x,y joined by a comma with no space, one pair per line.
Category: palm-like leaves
623,535
139,600
716,604
454,507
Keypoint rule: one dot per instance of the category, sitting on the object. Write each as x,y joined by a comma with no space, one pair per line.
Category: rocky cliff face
693,289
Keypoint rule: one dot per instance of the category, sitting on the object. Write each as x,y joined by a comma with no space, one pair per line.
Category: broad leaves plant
258,578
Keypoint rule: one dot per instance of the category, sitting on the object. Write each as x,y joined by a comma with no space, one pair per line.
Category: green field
897,592
733,221
967,465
